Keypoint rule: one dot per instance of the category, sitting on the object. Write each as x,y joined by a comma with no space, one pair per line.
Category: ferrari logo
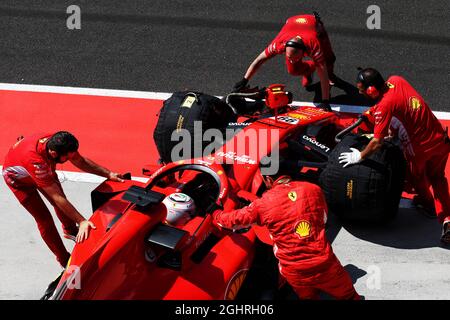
414,103
292,195
301,20
303,229
390,85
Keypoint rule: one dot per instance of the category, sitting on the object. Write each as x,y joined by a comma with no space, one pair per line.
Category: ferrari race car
157,240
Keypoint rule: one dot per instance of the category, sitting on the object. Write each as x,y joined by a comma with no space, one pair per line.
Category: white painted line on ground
160,96
85,177
85,91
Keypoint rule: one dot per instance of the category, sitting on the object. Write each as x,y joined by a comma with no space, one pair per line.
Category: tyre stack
366,192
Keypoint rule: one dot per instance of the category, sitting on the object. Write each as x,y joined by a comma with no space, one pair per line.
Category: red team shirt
27,164
303,26
425,132
295,215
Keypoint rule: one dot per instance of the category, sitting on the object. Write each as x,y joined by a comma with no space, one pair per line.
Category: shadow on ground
409,230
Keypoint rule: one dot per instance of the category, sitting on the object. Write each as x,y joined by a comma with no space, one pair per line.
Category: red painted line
113,131
116,132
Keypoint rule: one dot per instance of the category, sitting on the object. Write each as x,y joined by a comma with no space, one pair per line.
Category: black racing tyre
366,192
180,111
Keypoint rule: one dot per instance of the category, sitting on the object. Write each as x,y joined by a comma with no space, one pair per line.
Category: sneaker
425,209
70,236
445,237
306,81
332,80
51,287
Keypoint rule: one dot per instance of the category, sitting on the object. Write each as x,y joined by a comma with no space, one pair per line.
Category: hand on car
83,230
348,158
113,176
240,85
324,105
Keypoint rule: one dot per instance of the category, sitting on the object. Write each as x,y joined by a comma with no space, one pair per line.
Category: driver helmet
180,208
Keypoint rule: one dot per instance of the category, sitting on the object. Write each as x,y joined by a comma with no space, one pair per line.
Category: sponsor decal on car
233,156
316,143
299,116
286,119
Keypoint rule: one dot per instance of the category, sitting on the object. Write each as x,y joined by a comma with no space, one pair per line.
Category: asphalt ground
167,46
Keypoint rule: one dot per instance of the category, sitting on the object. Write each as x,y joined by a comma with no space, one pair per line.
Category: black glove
325,105
240,85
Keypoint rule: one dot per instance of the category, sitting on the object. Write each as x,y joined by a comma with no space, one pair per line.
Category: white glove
348,158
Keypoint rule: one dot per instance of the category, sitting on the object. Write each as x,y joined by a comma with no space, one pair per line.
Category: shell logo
292,195
303,229
235,284
299,116
301,20
414,103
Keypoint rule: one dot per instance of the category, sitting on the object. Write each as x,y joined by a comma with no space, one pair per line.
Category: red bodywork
114,263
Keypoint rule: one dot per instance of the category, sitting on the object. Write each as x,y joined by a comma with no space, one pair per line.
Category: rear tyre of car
366,192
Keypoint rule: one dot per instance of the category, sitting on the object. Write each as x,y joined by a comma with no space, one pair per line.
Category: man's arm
371,148
238,219
90,166
59,200
256,64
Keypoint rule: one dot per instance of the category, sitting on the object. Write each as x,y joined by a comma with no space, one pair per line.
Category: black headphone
296,44
370,90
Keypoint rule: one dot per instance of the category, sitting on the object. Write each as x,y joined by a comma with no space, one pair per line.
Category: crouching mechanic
301,36
30,166
426,145
295,215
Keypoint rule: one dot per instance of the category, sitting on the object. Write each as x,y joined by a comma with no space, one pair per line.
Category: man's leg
33,203
306,292
419,180
329,55
303,68
435,172
337,283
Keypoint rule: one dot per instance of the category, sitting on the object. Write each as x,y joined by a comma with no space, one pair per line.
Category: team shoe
306,81
52,287
70,237
446,232
71,234
332,80
427,210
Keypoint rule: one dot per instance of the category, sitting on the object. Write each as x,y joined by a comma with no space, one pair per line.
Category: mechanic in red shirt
295,215
30,166
425,141
301,36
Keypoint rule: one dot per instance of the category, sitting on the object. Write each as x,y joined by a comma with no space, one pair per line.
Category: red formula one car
137,253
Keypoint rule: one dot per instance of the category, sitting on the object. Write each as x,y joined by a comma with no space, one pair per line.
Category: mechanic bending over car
30,166
425,142
295,214
301,36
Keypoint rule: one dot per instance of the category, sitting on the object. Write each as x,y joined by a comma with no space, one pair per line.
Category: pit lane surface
165,46
171,46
